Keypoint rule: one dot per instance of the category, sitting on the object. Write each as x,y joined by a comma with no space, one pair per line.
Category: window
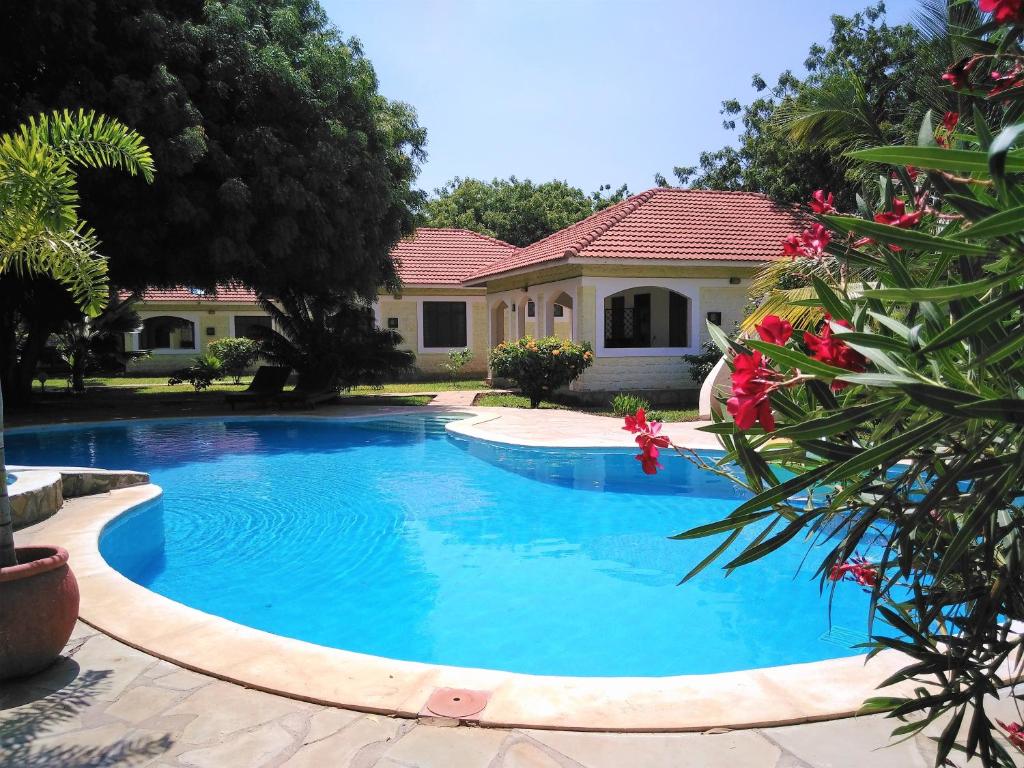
444,324
559,310
531,309
247,325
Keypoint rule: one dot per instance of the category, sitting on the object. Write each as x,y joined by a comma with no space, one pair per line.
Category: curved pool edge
256,659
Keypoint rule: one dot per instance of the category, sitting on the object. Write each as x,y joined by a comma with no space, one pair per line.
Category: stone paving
106,704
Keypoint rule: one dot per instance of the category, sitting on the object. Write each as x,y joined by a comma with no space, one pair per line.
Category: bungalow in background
637,280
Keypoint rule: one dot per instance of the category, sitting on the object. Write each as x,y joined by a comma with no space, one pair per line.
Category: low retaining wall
39,492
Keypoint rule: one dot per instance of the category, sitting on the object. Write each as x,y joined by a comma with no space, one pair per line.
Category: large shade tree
516,211
282,166
41,233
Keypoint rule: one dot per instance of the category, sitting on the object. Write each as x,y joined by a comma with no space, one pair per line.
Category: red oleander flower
649,440
1003,11
1014,733
810,243
898,216
829,349
792,246
637,423
860,569
949,120
752,381
822,203
774,330
1006,80
912,172
959,75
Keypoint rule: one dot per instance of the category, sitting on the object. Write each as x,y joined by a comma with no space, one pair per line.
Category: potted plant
41,234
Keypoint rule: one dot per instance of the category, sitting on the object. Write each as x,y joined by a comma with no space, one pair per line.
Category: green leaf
733,521
795,359
937,159
998,154
829,300
780,492
975,321
905,238
997,225
837,423
712,556
943,292
926,133
887,453
877,379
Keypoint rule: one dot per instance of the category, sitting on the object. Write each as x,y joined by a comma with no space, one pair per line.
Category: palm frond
92,141
781,303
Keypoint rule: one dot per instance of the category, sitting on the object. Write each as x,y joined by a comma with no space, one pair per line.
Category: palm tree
331,342
40,231
92,343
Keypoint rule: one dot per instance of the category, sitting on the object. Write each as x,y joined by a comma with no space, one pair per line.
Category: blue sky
590,91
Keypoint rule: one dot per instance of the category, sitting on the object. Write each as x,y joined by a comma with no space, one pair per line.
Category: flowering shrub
902,416
540,366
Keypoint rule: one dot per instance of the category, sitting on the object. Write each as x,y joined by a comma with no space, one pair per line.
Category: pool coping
218,647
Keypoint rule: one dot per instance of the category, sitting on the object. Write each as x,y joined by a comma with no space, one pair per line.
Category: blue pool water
392,538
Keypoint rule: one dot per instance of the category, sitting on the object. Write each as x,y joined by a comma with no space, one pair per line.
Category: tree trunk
7,554
78,371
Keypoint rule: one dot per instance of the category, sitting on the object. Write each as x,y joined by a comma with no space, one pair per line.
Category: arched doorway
499,319
646,316
167,332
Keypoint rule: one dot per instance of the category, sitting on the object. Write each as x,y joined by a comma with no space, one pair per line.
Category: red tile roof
671,224
445,256
223,294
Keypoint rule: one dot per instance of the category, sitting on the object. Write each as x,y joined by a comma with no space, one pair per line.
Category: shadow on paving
31,717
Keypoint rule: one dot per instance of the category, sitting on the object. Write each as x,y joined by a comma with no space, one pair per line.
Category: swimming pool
392,538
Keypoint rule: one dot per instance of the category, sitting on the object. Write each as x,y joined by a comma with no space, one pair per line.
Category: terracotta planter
38,609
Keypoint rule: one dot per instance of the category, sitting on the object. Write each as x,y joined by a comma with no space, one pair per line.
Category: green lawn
669,413
154,384
371,400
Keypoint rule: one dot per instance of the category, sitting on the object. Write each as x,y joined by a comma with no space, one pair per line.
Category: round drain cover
456,702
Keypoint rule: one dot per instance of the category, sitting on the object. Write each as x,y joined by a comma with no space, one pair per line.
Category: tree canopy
282,166
518,212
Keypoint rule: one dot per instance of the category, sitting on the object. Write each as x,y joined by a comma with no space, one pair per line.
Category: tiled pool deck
108,704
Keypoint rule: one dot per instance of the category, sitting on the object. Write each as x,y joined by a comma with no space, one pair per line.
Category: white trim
469,301
563,260
609,286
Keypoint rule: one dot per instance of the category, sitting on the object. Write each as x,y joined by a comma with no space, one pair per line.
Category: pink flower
810,243
821,203
1003,11
648,458
1007,80
860,569
752,381
637,423
649,440
774,330
1014,733
959,75
828,349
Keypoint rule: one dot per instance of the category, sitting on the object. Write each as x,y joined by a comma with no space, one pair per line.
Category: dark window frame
445,324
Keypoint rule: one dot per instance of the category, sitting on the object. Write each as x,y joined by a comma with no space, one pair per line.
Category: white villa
637,280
